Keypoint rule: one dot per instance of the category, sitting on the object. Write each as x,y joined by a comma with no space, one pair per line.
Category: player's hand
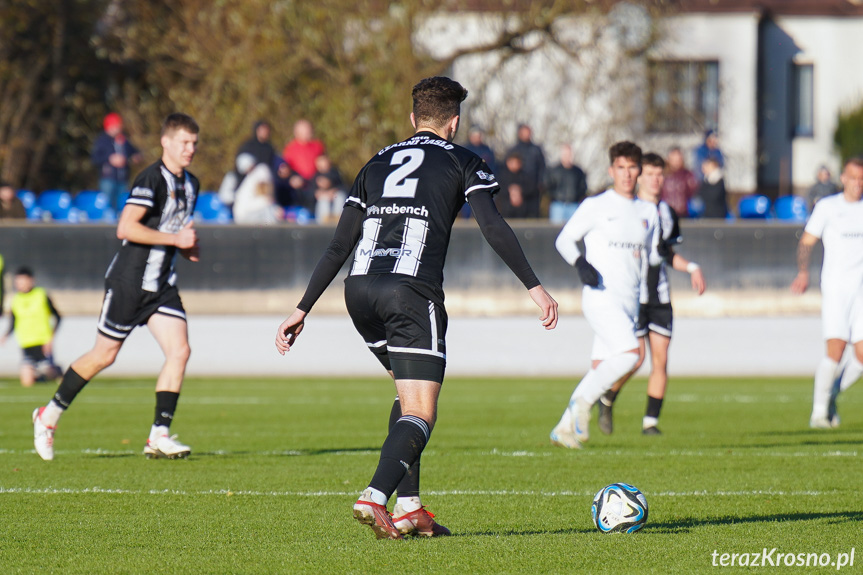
289,330
547,304
698,282
187,237
192,254
48,348
586,272
800,283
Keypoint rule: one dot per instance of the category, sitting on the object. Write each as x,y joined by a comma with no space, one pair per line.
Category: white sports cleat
166,447
563,437
580,419
43,436
820,423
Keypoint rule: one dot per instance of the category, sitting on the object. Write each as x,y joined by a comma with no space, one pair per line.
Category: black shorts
657,318
34,355
125,307
403,321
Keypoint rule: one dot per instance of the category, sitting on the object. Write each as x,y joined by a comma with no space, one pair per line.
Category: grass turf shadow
686,524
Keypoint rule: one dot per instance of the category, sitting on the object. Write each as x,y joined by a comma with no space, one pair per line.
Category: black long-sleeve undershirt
494,228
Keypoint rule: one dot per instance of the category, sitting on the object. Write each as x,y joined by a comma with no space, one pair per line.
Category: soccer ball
619,508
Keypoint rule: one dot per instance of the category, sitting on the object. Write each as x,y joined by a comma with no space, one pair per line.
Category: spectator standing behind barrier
712,190
566,185
680,185
300,153
259,146
112,154
822,187
476,144
518,197
11,206
709,149
533,160
330,195
31,321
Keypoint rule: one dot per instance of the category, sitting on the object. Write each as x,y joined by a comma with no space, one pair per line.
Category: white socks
158,431
409,504
825,375
602,378
375,496
853,371
51,414
648,421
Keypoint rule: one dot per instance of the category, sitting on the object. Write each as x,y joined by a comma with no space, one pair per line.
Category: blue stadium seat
754,207
791,209
94,205
695,207
31,205
209,209
121,200
57,204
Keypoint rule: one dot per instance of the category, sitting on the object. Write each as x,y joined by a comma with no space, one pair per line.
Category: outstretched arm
347,233
501,238
680,263
804,255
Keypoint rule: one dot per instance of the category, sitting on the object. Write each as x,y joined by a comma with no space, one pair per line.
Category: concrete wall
832,45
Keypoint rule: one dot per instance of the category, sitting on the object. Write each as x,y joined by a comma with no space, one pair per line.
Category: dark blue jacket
104,146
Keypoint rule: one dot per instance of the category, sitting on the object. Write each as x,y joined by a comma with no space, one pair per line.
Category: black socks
166,405
404,444
71,385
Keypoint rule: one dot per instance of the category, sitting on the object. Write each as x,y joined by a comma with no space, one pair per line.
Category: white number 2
398,184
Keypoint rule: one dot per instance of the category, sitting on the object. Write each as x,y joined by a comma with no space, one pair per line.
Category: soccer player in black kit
140,288
399,217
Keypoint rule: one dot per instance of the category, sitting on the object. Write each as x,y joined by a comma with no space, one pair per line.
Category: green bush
849,133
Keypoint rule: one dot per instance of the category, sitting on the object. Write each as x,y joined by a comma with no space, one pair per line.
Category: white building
770,75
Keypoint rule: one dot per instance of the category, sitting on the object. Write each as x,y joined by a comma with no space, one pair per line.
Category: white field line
452,493
740,452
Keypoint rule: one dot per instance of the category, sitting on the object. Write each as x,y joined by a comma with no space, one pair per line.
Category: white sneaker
820,423
43,436
580,419
563,437
167,447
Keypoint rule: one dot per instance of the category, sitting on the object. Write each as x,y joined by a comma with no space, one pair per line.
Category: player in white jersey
838,222
655,315
618,231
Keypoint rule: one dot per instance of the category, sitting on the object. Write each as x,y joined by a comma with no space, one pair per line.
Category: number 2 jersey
411,193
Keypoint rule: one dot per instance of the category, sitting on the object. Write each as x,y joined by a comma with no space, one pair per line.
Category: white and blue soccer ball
619,508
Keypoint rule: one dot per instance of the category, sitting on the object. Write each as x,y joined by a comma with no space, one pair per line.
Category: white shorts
842,315
613,321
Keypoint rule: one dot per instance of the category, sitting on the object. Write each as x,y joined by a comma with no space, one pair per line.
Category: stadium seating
754,207
28,198
791,209
58,205
695,206
209,209
94,206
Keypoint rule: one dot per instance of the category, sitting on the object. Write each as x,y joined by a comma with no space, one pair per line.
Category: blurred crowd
301,184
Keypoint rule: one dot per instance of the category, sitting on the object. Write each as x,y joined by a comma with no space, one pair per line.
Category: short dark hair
626,150
437,100
651,159
179,121
855,160
5,184
24,271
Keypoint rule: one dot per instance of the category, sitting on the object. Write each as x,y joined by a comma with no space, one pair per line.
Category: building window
802,76
683,96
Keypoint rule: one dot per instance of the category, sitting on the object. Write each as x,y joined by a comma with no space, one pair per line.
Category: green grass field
277,464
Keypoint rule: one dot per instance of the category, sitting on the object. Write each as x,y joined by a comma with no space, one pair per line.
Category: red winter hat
112,120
